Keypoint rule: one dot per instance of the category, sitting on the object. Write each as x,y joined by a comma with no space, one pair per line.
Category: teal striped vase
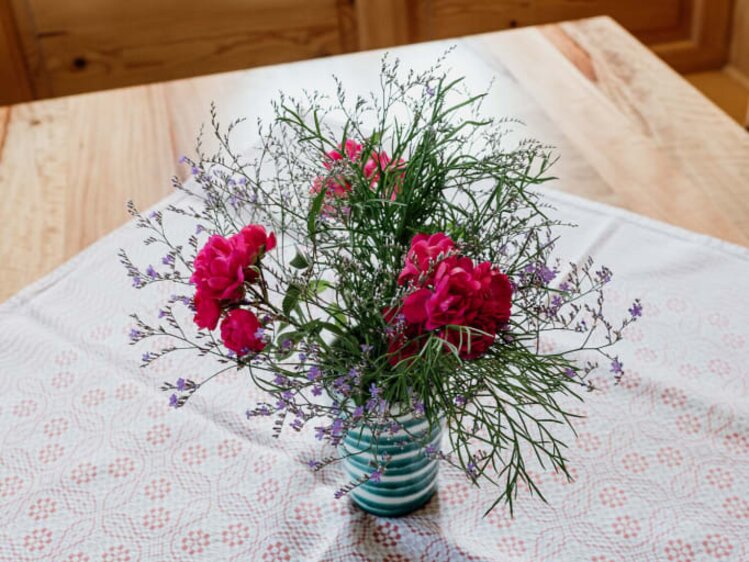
409,478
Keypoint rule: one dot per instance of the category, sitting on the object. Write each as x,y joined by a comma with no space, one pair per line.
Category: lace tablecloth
95,467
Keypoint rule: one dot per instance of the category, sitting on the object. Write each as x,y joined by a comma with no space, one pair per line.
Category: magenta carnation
381,161
339,187
425,249
240,332
351,149
207,311
452,293
219,269
253,242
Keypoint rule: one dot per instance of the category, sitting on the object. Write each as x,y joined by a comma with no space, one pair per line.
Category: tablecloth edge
727,248
67,267
730,248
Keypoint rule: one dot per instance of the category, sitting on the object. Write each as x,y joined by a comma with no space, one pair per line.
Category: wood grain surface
690,35
628,129
740,37
15,84
76,46
89,45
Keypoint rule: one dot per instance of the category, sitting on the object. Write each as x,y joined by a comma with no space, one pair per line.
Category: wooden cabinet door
57,47
14,79
95,44
689,34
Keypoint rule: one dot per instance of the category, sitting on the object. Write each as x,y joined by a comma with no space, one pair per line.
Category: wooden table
629,130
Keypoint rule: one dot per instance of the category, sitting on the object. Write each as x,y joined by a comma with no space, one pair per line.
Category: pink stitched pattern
94,466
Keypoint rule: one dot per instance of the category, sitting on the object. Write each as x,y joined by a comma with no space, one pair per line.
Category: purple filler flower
604,275
545,273
636,309
616,366
376,476
181,383
419,408
314,373
337,427
173,401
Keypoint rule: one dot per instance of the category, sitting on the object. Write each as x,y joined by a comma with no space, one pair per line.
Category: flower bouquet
384,268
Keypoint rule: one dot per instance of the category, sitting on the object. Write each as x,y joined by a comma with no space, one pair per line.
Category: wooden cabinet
688,34
83,45
56,47
14,76
740,40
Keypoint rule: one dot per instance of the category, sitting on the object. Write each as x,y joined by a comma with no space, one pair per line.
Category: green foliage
464,174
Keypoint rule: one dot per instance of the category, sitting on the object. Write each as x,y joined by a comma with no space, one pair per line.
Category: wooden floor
727,89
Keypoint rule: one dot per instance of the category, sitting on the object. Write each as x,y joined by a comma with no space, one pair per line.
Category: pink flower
340,186
351,148
334,189
219,269
375,163
452,294
381,161
423,254
253,242
495,294
240,331
207,311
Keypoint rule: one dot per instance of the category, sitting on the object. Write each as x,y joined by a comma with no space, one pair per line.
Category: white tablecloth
95,466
